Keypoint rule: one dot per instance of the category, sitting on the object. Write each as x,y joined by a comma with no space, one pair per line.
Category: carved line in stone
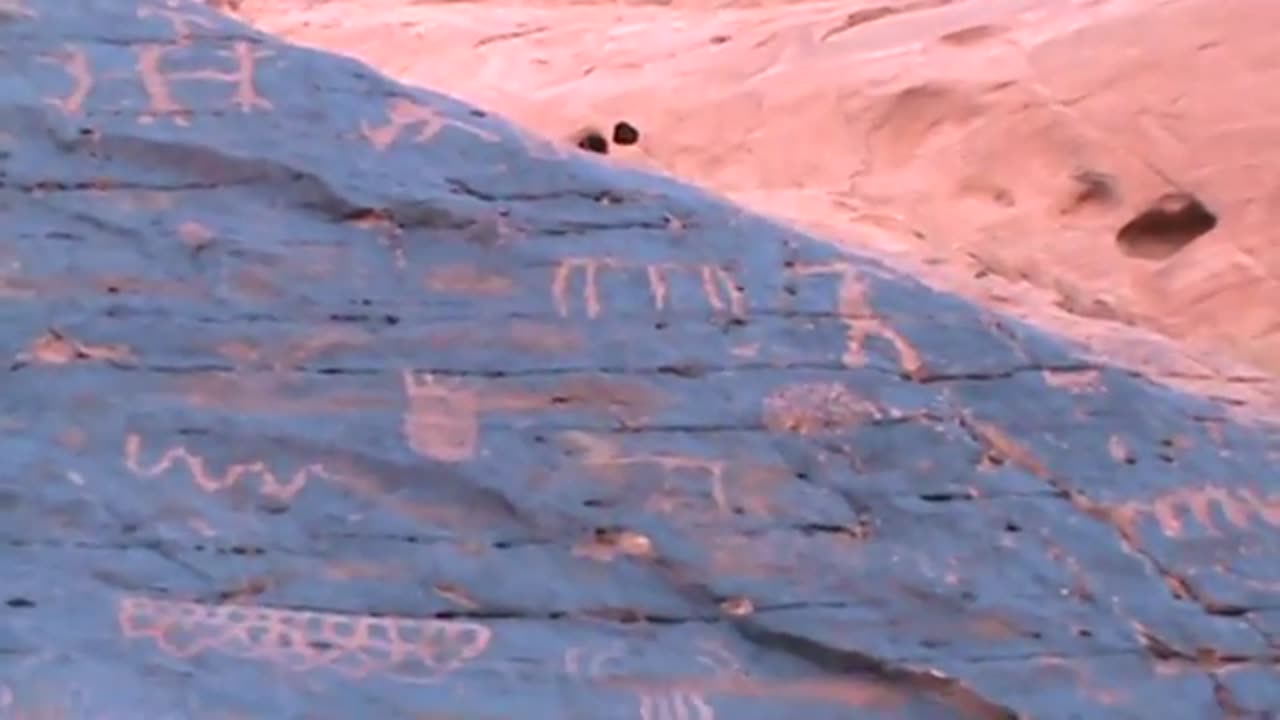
158,84
269,484
442,421
660,705
860,320
356,646
1240,507
719,286
404,113
600,453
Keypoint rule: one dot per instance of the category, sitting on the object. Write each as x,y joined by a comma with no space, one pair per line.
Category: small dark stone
624,133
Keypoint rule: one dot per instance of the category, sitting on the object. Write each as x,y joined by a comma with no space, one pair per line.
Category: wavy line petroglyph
719,287
357,646
854,306
269,483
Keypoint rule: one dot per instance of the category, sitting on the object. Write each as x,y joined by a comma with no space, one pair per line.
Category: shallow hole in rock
592,141
624,133
20,603
1167,226
1012,527
1084,632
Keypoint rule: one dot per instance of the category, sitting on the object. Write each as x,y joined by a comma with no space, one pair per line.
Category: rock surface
1011,139
334,398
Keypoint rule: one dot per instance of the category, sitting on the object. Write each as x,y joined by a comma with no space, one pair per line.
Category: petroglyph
750,488
812,408
442,421
56,348
356,646
462,279
860,320
75,61
158,83
269,483
719,287
404,113
1078,382
681,698
1211,508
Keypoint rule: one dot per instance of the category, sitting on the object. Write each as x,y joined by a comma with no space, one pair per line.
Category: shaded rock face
332,398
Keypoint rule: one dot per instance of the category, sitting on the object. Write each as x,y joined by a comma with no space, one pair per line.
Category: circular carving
815,408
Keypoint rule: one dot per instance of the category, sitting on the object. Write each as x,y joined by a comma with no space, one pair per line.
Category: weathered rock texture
1014,139
332,398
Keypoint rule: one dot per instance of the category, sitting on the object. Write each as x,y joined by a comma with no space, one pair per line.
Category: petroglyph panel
938,597
356,646
1166,480
577,284
329,396
161,71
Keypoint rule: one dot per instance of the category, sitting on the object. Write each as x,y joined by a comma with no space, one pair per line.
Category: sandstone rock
334,398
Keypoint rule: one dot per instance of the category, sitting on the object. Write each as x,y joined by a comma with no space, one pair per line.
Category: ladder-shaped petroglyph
240,73
720,288
270,484
356,646
751,485
854,306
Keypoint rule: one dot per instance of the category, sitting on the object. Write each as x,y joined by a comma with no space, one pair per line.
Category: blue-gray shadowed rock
333,398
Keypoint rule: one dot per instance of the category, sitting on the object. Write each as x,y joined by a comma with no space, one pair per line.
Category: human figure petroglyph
860,319
354,645
719,287
404,113
271,485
